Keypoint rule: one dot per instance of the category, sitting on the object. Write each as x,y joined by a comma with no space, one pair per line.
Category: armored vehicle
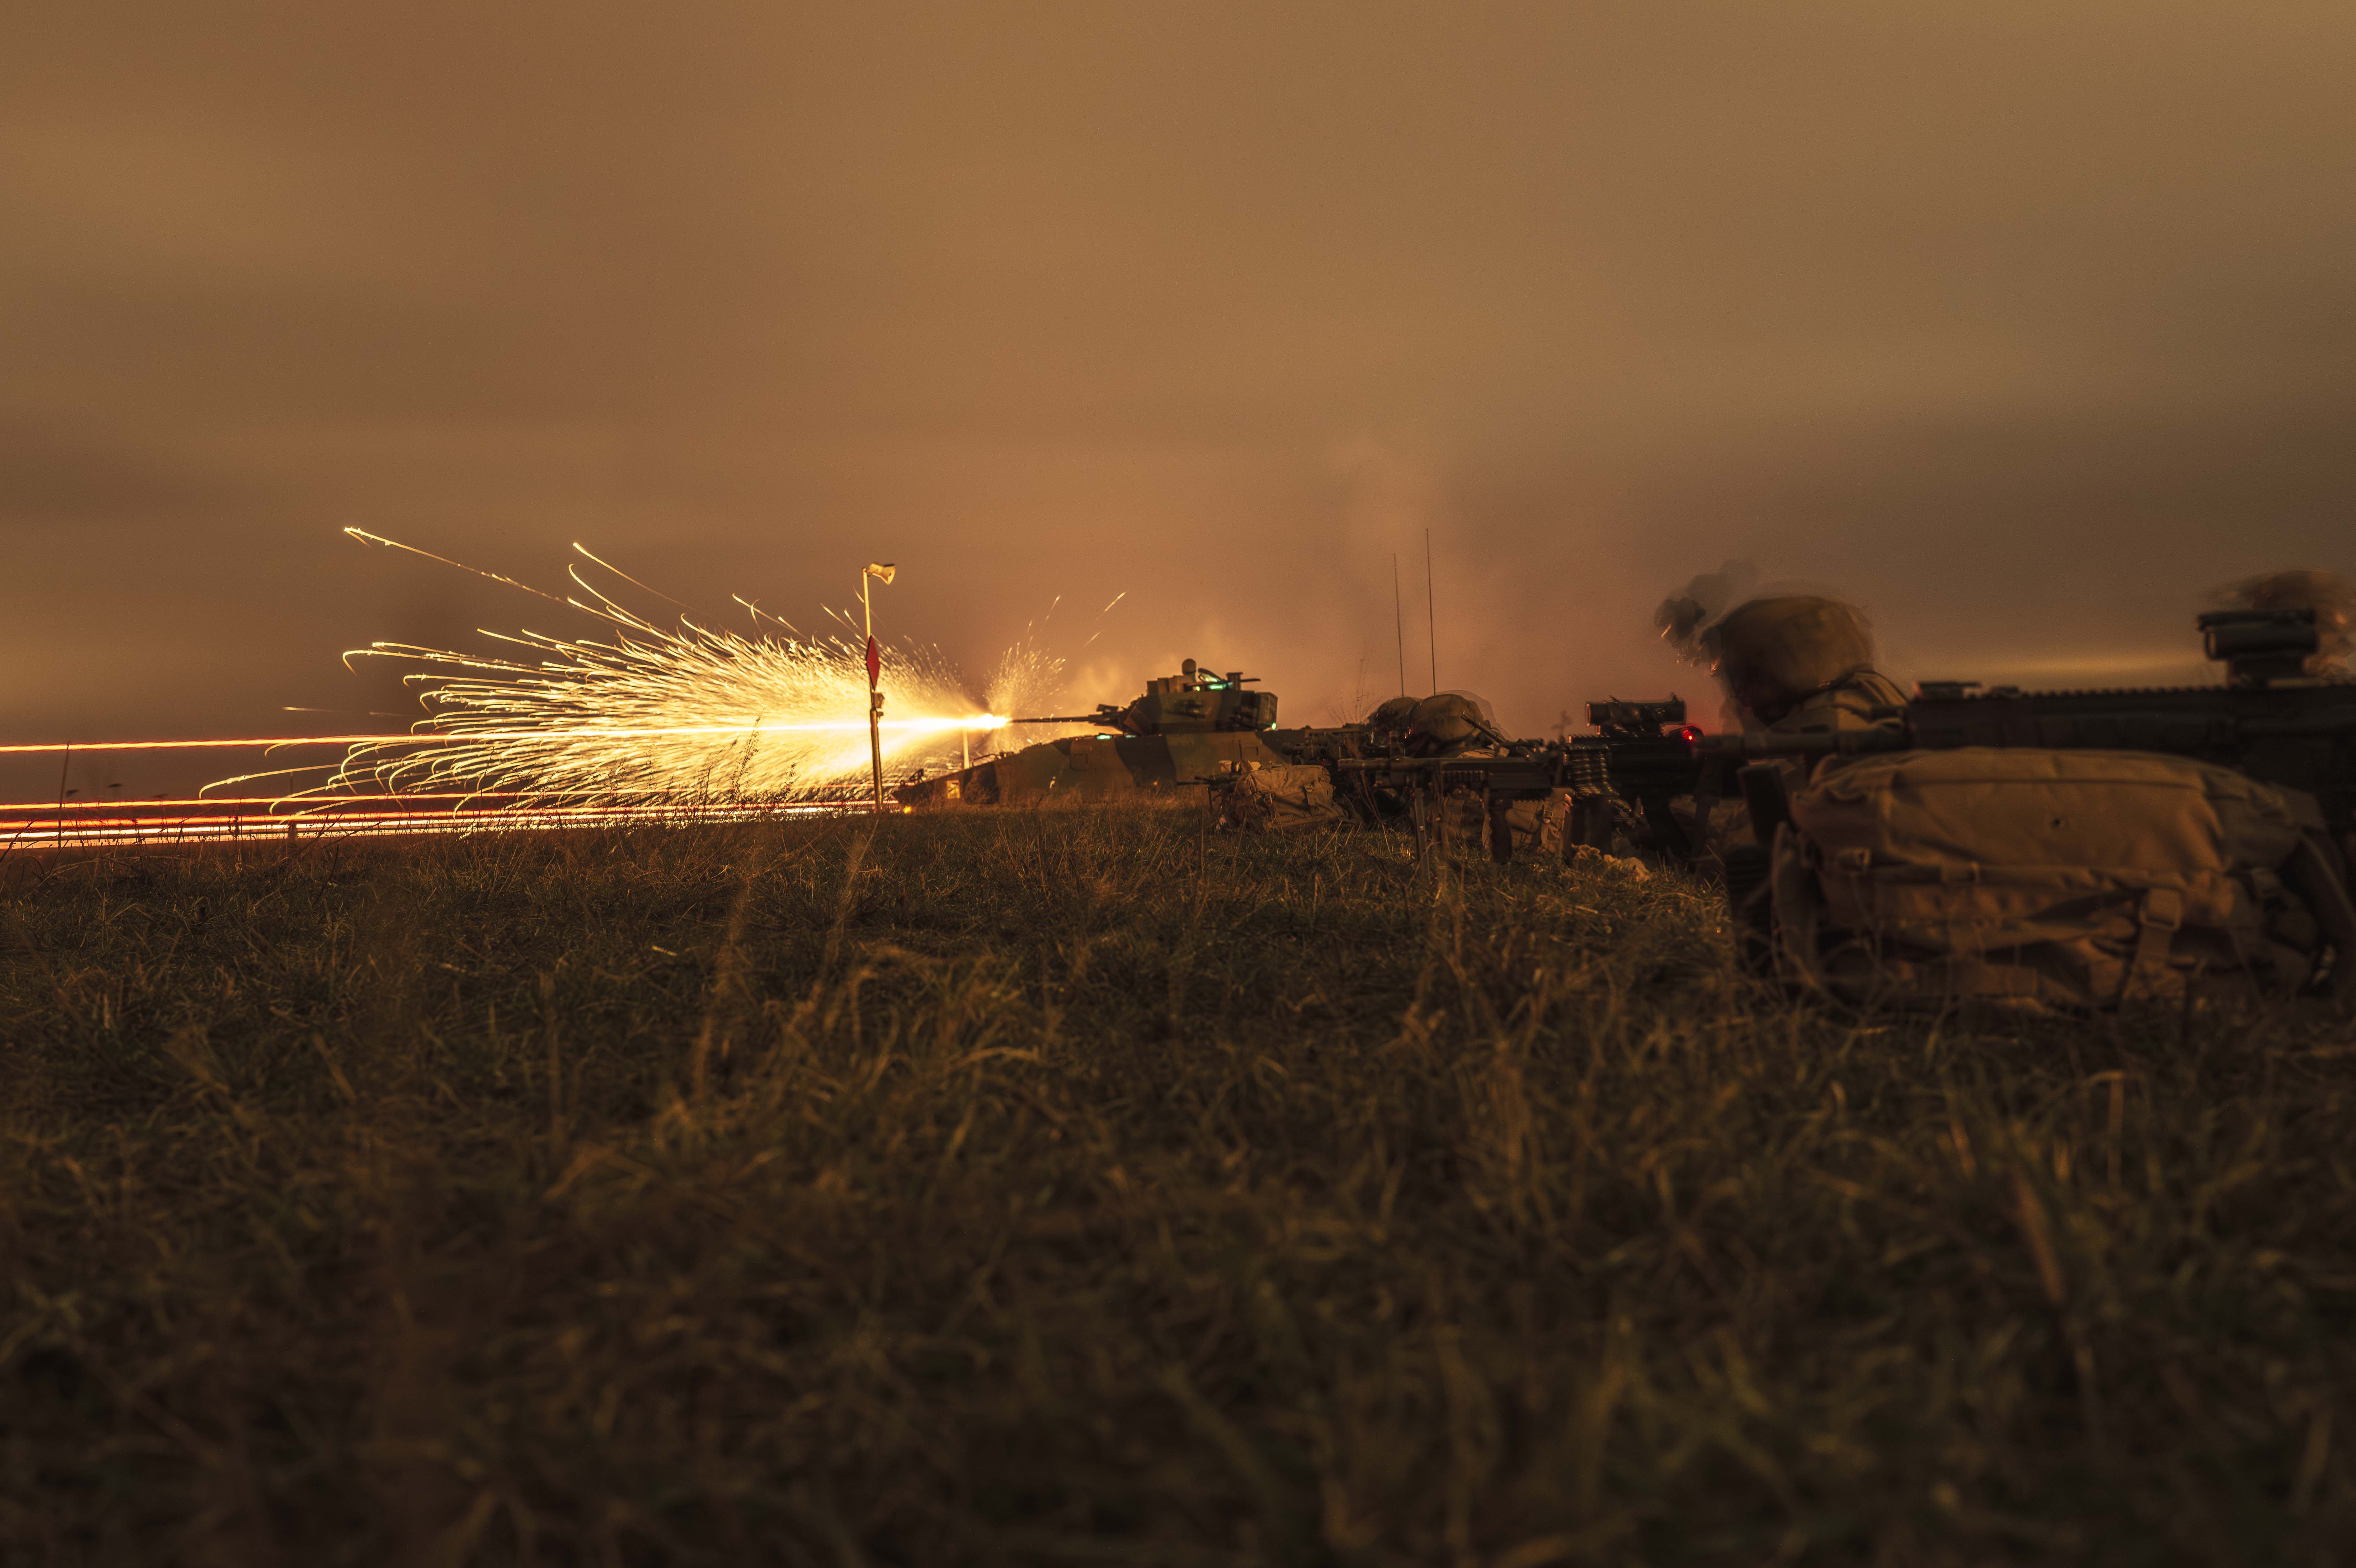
1186,729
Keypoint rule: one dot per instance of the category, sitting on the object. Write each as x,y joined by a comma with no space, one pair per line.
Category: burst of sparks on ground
683,714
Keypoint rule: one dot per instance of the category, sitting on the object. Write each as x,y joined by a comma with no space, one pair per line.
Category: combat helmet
1387,725
1773,653
1448,722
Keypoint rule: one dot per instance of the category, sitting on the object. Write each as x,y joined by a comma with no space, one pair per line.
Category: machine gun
2269,720
1641,754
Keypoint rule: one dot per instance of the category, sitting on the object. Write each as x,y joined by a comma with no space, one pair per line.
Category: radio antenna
1431,625
1398,621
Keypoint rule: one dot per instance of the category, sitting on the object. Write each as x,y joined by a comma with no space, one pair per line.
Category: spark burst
669,715
1028,679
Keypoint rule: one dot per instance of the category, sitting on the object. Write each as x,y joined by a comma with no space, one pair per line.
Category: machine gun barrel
1760,746
1536,773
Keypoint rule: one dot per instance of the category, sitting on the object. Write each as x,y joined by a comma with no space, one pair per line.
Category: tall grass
1094,1188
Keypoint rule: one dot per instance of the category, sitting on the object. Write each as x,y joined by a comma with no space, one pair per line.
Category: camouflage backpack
1264,800
2036,879
1465,823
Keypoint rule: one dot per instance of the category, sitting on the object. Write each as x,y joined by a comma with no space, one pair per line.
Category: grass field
1072,1187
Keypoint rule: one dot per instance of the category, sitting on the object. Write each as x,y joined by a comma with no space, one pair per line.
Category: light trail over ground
101,824
926,726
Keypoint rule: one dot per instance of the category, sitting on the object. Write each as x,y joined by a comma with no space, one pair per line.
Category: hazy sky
2025,323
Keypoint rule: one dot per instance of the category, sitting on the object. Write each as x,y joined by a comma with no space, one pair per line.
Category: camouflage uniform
1847,704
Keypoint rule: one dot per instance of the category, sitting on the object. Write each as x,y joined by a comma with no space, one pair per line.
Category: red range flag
874,664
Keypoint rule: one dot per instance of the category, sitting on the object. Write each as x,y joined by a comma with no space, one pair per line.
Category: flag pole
874,672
